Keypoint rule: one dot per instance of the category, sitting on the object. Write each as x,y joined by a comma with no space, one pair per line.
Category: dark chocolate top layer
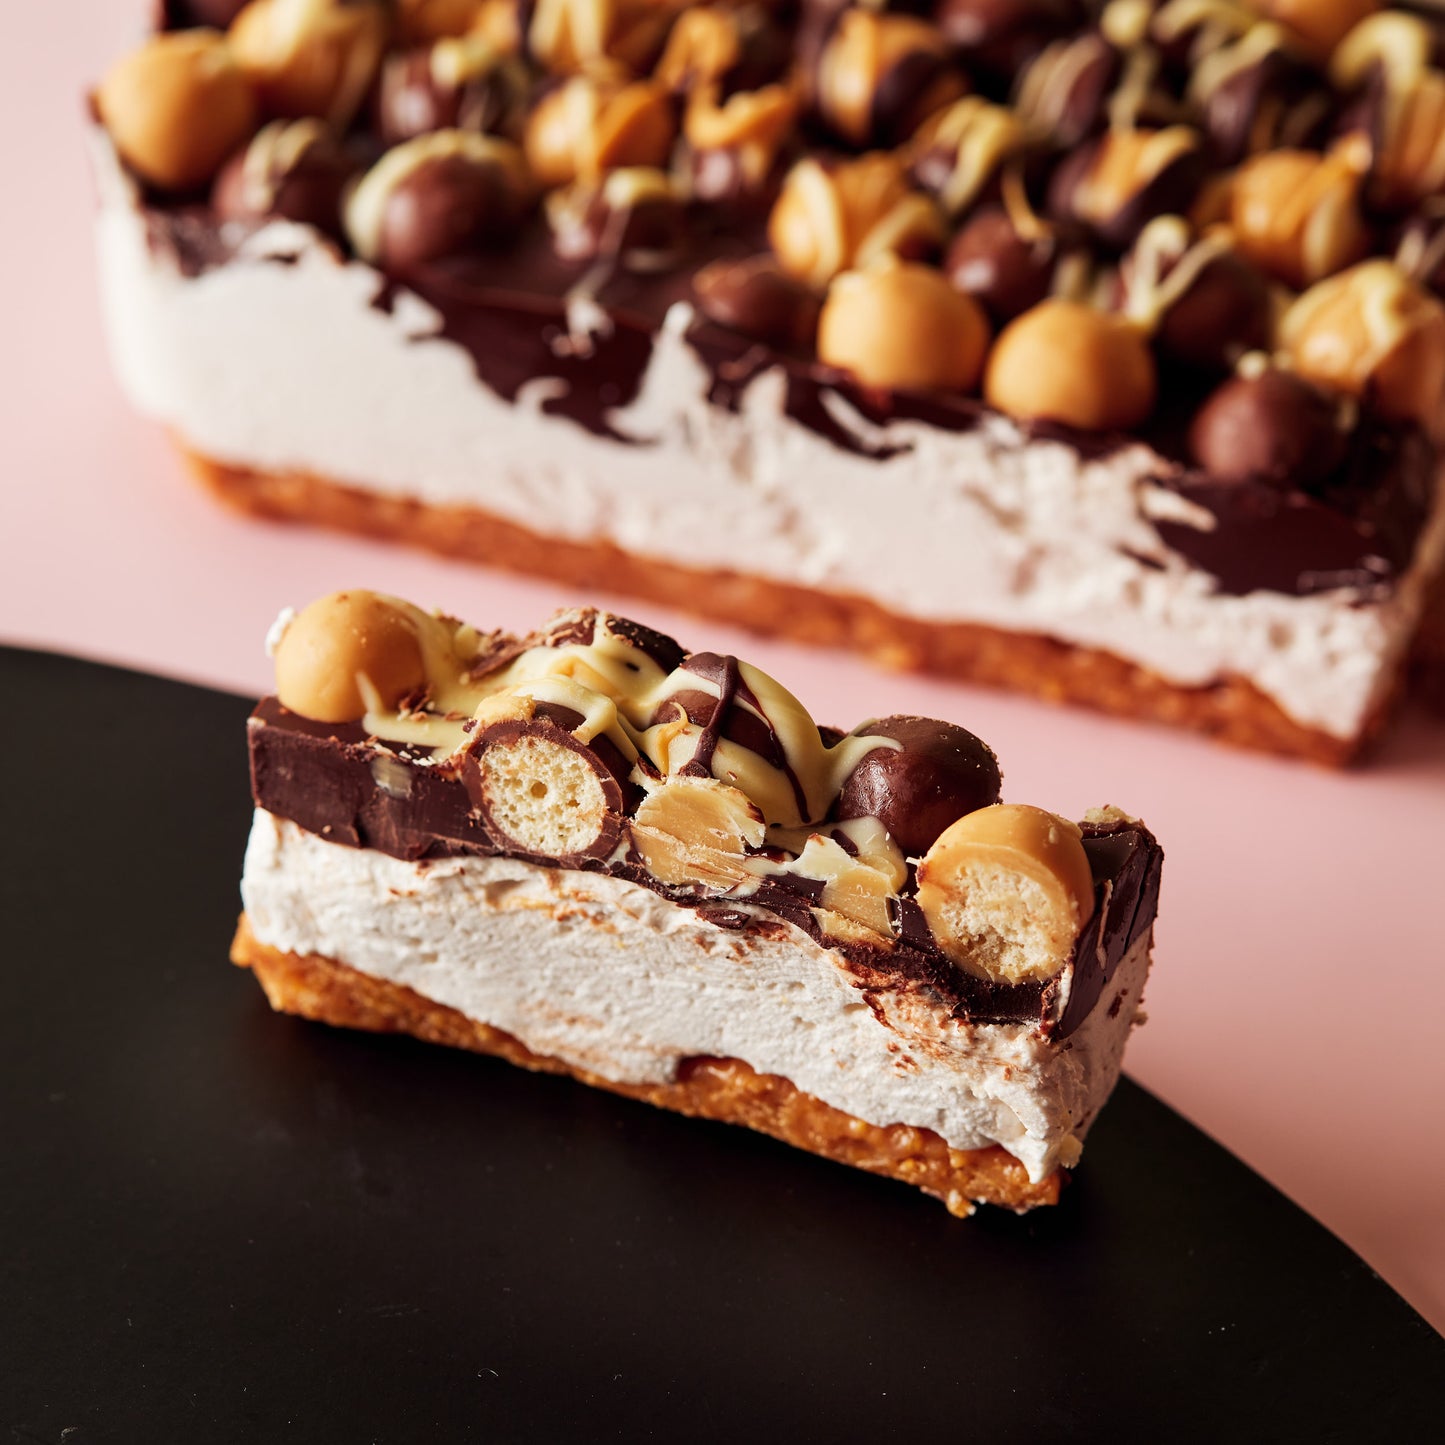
323,777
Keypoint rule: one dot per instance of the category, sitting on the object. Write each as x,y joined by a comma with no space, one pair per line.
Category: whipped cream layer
279,360
610,977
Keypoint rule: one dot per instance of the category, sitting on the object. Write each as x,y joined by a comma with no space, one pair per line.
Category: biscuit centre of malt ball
548,803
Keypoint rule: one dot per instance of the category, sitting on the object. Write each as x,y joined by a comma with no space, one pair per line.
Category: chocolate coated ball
940,773
991,262
447,205
759,299
303,183
1224,312
1274,428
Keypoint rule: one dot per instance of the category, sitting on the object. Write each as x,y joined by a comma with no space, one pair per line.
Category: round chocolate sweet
447,205
1224,312
1274,85
304,182
991,262
940,773
1275,428
756,297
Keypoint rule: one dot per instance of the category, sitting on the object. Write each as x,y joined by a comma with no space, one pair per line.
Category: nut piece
881,75
1319,25
311,57
1373,333
295,169
938,773
1066,362
1116,185
696,832
1274,428
830,220
1296,214
900,324
758,299
177,107
348,654
540,793
445,194
586,127
1006,890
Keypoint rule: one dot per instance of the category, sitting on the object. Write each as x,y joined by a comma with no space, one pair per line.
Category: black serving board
220,1224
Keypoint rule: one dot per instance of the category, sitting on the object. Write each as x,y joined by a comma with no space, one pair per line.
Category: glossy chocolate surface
323,777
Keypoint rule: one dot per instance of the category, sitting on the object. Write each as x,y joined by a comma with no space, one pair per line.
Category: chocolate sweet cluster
598,744
1219,225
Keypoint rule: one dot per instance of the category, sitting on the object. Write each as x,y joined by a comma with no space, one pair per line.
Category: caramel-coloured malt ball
335,643
900,324
1319,25
1006,890
312,57
1373,333
1066,362
177,107
1296,214
940,772
1274,427
586,127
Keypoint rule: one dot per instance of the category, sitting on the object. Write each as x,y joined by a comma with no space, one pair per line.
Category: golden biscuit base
727,1090
1231,709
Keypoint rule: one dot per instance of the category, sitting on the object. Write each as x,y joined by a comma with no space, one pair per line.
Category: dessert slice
1096,350
592,853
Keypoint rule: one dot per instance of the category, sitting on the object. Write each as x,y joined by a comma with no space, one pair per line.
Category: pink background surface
1299,984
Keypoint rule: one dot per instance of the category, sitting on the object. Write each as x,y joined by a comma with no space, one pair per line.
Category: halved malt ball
1006,890
540,792
696,832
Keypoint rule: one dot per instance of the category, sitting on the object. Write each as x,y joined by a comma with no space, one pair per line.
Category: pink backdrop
1299,986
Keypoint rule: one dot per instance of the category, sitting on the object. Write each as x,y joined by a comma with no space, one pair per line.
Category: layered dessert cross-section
1090,349
590,852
